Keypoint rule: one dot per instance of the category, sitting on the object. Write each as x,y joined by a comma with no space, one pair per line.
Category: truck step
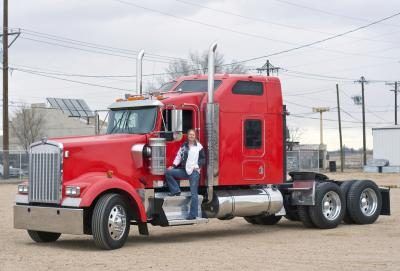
178,222
177,207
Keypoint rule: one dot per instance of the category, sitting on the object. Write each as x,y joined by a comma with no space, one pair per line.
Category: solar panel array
72,107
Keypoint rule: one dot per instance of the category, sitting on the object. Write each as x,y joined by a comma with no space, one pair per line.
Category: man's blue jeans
180,173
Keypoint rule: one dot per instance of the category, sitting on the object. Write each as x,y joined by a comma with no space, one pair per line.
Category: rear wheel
44,236
267,219
110,222
345,187
292,213
263,219
364,202
330,206
304,216
250,219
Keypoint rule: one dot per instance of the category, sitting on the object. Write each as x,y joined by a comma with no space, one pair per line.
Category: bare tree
28,125
293,137
197,63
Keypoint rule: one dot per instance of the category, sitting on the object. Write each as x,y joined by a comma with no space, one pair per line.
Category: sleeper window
253,133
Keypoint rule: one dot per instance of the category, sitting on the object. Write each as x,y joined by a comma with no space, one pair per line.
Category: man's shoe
174,194
191,218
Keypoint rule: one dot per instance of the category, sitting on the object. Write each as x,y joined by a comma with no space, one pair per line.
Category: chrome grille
45,166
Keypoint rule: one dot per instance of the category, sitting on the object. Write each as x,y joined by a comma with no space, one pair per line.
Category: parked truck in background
101,185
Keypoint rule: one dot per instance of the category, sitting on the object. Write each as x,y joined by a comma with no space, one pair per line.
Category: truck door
175,143
253,148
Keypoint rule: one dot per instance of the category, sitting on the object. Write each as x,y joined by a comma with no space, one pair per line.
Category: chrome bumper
50,219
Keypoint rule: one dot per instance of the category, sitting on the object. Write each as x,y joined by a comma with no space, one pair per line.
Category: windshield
196,85
132,121
167,86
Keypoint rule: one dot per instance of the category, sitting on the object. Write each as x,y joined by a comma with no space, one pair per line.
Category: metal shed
386,143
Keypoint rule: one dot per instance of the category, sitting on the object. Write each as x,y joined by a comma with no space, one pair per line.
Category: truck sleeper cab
101,185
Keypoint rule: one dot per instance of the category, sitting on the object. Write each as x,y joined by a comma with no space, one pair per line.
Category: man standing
187,164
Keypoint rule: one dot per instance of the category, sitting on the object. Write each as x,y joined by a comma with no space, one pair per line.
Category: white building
386,142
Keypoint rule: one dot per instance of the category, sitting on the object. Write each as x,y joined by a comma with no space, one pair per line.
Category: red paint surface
92,156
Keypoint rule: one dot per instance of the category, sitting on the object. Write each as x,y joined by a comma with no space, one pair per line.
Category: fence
306,160
19,164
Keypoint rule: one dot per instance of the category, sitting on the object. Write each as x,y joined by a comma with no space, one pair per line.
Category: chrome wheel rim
368,202
117,222
331,205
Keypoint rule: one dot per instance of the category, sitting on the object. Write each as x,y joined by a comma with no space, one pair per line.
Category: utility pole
320,110
395,90
5,91
362,81
269,68
340,130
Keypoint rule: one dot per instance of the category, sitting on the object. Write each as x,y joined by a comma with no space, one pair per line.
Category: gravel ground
218,245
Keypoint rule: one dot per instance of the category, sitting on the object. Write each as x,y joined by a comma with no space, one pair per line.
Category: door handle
261,170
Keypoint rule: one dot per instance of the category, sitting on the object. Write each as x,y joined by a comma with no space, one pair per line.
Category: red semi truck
101,185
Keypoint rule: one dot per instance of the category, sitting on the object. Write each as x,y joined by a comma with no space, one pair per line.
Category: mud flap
385,192
143,230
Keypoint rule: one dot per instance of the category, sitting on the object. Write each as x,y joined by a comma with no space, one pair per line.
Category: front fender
94,184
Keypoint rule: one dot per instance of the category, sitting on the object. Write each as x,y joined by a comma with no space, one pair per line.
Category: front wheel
44,236
110,222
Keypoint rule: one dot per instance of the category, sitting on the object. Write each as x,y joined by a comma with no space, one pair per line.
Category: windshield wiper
118,122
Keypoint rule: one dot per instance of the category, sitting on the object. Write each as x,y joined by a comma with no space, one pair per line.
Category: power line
92,45
58,73
318,41
349,121
271,22
88,50
264,37
72,81
325,12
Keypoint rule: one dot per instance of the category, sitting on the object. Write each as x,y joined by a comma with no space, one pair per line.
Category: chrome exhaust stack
212,126
139,61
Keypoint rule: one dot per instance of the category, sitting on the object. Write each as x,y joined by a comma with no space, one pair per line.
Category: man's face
191,136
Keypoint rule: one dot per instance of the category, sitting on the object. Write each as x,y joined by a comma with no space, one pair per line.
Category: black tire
44,236
267,219
292,216
367,214
250,219
108,207
345,187
304,216
330,216
292,213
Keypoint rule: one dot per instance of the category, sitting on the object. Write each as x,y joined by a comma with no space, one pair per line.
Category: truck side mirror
176,120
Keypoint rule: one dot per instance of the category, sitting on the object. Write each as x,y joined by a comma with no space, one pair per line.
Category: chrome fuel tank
246,202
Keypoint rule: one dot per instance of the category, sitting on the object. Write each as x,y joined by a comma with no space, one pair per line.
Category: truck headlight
23,189
72,191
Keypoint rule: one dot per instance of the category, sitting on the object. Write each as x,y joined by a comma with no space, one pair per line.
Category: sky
75,48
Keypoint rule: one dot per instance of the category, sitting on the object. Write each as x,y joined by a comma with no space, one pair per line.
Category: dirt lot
218,245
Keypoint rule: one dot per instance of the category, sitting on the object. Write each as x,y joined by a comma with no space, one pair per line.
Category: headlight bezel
72,191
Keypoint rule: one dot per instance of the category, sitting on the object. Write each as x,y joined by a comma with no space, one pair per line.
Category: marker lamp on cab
72,191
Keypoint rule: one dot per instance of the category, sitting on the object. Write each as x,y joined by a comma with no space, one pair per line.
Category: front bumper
49,219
